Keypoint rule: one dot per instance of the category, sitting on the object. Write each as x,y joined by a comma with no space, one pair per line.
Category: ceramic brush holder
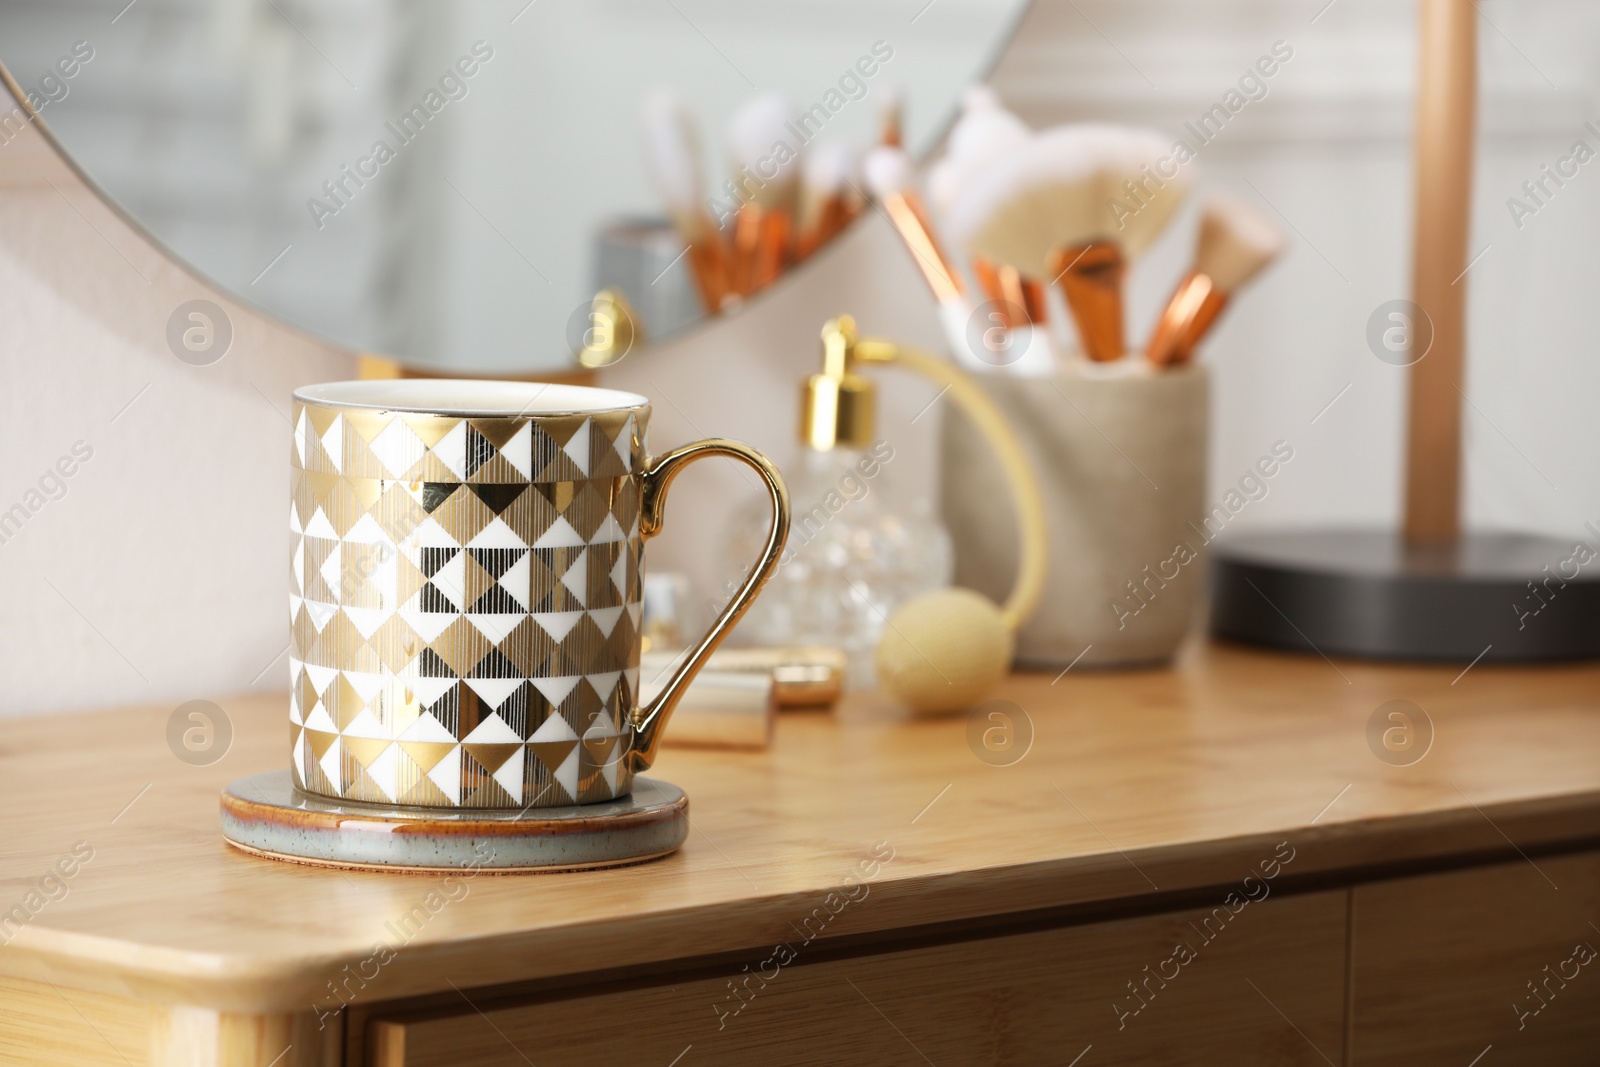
1120,450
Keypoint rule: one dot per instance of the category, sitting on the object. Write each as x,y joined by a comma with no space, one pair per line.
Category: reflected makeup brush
826,201
766,176
1075,204
1236,243
672,153
891,117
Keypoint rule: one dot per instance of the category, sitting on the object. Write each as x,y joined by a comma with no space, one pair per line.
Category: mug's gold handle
649,719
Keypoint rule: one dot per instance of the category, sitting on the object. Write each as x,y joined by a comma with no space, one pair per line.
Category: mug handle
648,720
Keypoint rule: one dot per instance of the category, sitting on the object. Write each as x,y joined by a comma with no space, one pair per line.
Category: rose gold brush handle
905,211
837,213
1090,277
1024,293
841,212
821,229
994,290
748,223
1188,317
771,254
707,254
708,262
1020,299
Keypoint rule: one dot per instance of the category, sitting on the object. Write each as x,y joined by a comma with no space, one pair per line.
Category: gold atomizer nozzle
838,406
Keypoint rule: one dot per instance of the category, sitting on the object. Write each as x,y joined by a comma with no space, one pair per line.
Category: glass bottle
858,548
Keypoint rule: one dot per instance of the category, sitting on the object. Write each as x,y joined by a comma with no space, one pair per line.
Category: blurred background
190,112
213,122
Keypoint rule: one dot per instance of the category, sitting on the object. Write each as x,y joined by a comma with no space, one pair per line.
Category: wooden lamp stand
1431,592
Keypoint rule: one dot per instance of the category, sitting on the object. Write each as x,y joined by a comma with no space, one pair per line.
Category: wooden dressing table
1207,864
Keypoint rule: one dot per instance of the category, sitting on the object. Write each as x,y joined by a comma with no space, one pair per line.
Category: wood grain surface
1498,962
1268,989
45,1025
1138,788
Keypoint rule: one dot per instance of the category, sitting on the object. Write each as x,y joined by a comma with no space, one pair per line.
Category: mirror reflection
451,184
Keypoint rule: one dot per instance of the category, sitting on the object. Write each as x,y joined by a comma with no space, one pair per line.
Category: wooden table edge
1080,888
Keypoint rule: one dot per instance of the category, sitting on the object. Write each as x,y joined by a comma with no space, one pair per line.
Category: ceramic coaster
266,815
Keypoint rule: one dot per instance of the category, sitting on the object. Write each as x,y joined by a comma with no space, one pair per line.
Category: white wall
159,574
1329,149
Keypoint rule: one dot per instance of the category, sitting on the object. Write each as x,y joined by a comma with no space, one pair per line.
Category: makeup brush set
1119,441
785,198
1070,208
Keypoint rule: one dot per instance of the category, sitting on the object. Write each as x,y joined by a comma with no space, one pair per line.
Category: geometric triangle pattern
464,606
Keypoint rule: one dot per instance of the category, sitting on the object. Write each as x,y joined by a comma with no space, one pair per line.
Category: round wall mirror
451,184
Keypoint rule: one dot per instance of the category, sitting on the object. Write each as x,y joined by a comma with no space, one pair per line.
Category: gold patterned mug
466,590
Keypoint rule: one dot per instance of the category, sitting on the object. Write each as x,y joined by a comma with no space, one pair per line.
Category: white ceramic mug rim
469,397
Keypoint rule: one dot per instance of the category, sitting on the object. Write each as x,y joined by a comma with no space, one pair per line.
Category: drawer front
1447,965
45,1025
1263,984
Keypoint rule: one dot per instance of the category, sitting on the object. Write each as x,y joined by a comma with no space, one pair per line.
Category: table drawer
1443,963
1264,983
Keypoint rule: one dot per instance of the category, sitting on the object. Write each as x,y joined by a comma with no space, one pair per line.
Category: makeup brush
984,132
1090,277
826,201
889,178
766,174
672,154
1236,243
988,276
1074,204
891,116
1023,298
1020,304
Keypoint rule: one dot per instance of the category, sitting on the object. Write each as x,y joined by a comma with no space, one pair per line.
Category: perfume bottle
858,547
